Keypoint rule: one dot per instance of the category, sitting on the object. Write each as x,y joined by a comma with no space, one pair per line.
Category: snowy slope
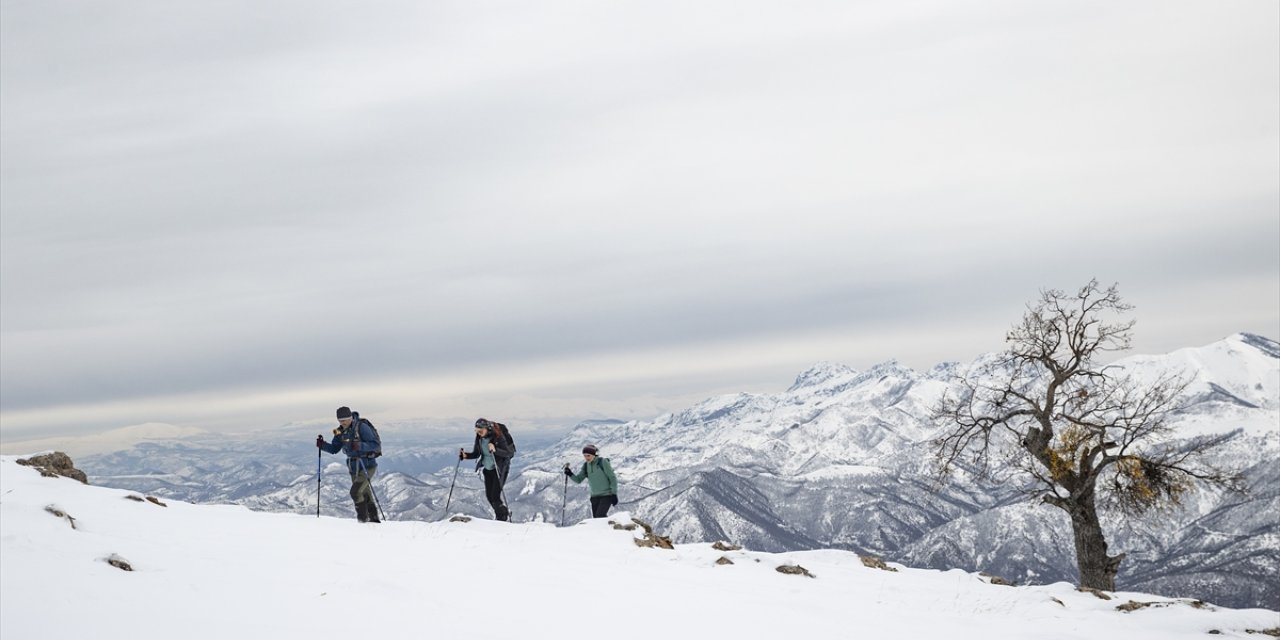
203,571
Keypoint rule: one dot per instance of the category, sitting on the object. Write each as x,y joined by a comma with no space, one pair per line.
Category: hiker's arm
333,447
475,451
581,475
502,448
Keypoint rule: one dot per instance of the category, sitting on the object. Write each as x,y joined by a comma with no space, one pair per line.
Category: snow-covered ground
203,571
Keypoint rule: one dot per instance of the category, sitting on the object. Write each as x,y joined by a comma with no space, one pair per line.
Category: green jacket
599,476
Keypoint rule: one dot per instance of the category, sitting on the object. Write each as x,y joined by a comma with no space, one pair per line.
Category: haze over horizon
237,216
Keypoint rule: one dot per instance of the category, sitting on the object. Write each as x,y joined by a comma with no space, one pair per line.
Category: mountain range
841,459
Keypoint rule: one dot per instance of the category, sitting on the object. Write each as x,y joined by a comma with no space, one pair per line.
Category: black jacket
502,452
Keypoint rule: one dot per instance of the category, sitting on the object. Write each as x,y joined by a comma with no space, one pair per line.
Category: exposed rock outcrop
52,465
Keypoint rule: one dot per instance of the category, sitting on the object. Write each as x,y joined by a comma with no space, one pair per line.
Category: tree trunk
1097,569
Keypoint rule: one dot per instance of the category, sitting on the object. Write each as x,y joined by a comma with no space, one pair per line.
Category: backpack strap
377,440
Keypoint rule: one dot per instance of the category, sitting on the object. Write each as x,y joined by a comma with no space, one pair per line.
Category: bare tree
1087,435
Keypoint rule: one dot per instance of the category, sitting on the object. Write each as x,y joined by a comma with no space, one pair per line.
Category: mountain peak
1261,343
822,373
889,367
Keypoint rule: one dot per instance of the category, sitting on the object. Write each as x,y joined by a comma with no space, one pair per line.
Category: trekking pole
502,486
564,500
505,503
318,482
375,493
455,479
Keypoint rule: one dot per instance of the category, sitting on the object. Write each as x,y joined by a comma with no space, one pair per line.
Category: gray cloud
236,198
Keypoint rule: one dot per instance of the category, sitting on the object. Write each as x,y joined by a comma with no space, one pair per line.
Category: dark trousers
362,494
600,506
361,489
493,480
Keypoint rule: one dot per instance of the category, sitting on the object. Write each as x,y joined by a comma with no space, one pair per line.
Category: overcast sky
236,215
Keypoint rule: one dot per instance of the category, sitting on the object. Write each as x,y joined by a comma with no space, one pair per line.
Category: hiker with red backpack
357,438
492,451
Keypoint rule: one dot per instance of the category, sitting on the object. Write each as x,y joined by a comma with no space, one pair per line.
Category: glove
319,441
567,472
615,500
461,455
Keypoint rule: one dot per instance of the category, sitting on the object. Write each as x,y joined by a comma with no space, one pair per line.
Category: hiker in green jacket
599,476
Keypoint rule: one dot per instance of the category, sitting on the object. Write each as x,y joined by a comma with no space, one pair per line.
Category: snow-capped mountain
840,459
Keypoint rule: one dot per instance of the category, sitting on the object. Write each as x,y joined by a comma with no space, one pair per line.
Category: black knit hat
591,449
344,413
481,423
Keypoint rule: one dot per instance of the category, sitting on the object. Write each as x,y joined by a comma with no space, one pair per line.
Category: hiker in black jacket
493,454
